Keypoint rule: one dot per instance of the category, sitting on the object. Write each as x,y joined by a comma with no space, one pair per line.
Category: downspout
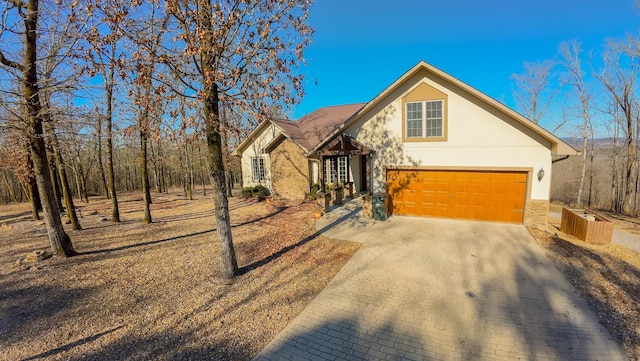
560,159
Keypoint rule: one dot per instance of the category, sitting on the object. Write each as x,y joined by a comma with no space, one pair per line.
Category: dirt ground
142,292
607,276
151,291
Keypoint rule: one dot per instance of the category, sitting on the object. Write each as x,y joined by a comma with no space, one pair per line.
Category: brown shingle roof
313,128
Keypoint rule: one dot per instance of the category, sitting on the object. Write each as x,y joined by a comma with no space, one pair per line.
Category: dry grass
143,292
607,276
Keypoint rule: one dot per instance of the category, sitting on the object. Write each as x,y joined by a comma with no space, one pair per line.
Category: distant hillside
598,142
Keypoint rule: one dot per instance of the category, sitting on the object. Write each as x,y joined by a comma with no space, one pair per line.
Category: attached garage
486,195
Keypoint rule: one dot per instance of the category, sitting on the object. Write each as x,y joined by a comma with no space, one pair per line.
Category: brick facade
290,171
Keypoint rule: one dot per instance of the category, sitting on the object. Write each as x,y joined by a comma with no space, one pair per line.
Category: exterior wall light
540,174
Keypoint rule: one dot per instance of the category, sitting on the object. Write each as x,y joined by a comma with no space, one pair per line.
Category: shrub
314,191
246,192
260,191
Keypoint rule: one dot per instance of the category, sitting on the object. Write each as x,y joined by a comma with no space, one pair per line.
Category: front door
364,173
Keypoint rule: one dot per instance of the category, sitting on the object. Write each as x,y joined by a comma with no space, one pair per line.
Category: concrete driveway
427,289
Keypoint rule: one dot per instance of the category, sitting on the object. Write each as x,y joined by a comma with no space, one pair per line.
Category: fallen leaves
151,291
607,276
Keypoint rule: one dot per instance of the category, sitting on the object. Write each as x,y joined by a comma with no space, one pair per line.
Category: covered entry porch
345,163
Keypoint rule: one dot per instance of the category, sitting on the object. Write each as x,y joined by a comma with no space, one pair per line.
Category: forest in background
590,96
105,96
100,97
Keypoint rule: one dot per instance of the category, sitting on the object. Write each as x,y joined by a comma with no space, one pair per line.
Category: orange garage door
477,195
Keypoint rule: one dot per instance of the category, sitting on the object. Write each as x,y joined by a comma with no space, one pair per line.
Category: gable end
425,93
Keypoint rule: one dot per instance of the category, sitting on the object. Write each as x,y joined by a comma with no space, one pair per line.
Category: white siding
256,149
478,136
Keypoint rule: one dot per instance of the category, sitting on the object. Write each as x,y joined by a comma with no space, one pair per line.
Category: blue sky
360,47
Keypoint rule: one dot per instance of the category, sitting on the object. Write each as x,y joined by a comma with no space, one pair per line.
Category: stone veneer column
535,213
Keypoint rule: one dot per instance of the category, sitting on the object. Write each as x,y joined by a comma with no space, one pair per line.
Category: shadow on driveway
431,289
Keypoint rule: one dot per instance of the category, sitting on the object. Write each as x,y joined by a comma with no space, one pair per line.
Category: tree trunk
630,153
225,155
9,189
60,241
81,178
591,168
615,183
103,177
161,169
145,177
76,178
111,184
202,170
156,180
51,162
188,151
583,172
25,191
34,195
228,262
64,182
36,203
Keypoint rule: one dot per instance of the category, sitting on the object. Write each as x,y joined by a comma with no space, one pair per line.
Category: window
330,176
434,118
425,119
414,120
257,165
342,170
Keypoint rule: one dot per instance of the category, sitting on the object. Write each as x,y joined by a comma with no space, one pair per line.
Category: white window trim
257,169
423,104
330,177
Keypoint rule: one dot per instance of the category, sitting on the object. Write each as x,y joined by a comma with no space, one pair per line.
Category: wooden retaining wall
575,224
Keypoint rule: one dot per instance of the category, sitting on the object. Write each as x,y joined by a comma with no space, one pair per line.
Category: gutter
554,161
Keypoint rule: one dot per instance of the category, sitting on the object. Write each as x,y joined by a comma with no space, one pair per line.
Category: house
433,144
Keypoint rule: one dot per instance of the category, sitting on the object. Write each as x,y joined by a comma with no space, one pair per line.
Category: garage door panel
476,195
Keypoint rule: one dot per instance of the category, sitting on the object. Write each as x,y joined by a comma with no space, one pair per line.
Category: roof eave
338,130
558,146
243,145
286,135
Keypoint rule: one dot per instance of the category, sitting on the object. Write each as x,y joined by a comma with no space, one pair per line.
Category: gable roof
308,131
313,131
316,126
558,146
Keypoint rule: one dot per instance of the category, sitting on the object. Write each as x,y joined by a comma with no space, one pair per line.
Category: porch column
335,170
321,174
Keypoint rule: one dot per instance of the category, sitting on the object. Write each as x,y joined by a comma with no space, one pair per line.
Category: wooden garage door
476,195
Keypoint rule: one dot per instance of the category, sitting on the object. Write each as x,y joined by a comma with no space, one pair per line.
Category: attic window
424,119
424,114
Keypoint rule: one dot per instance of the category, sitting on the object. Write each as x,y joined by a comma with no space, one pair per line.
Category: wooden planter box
586,225
338,196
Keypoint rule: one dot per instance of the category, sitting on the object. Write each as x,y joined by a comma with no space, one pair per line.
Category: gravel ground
151,292
607,276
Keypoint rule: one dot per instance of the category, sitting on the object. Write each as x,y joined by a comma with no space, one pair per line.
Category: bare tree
571,62
25,73
533,90
244,53
619,75
106,58
147,95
